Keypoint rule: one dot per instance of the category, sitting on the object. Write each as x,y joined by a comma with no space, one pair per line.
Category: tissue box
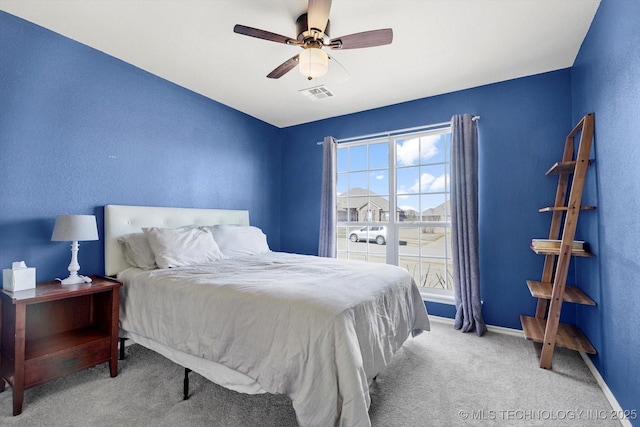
18,279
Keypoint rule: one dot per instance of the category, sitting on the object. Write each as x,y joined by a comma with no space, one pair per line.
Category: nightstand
54,330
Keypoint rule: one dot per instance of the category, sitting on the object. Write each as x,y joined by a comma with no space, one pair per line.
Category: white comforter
316,329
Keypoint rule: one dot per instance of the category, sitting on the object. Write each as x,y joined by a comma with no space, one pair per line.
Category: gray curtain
464,220
327,242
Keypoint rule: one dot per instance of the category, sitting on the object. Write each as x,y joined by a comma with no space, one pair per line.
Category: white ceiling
439,46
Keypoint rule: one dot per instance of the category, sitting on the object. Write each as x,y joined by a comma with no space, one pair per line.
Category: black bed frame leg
185,390
122,340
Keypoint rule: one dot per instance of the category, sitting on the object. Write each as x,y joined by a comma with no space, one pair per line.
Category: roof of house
358,197
440,210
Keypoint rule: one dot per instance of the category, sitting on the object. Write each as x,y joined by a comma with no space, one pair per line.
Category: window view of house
393,205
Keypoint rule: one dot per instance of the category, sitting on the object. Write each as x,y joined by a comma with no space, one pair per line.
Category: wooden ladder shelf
552,291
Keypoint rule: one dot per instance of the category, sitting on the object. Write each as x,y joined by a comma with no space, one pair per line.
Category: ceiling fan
313,34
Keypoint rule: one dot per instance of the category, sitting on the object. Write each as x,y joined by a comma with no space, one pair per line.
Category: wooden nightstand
53,330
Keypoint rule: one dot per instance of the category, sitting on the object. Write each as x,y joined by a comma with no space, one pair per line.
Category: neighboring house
359,204
441,213
362,205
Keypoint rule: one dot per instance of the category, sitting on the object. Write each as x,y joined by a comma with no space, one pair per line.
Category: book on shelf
578,245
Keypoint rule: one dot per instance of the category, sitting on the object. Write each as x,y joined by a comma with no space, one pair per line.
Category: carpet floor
440,378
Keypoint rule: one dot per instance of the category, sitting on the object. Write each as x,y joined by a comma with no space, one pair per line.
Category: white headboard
120,220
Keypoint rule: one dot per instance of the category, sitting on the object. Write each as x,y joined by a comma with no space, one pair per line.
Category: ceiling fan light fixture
312,35
313,62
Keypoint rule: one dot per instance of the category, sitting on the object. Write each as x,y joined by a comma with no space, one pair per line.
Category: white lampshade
314,62
70,228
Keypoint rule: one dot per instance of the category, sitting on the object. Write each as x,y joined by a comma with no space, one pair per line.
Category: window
394,205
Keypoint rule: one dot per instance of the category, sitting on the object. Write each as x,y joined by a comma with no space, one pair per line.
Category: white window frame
444,296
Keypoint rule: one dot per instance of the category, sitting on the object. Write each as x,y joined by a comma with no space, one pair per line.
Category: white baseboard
594,371
605,388
439,319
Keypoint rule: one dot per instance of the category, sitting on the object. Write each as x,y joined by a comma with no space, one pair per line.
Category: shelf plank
560,168
568,336
571,293
48,345
556,252
564,208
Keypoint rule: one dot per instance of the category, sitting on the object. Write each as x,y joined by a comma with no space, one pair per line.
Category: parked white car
371,233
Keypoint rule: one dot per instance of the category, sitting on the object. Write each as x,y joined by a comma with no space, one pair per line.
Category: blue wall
80,129
606,80
521,131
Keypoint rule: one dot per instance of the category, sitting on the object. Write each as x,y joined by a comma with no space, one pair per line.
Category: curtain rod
387,133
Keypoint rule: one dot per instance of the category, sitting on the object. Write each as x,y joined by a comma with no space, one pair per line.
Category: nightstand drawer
40,370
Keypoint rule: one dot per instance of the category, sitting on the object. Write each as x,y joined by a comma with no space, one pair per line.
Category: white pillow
239,240
177,247
137,252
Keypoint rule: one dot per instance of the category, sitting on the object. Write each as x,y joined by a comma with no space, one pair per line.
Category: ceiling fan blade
318,14
284,68
262,34
364,39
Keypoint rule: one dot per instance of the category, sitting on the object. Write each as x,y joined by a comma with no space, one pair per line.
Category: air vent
317,93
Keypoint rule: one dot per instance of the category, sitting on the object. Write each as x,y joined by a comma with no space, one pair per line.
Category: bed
316,329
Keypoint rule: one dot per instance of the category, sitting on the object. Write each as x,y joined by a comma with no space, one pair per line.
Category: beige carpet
440,378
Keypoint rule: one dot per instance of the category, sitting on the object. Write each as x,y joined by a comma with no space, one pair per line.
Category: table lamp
74,228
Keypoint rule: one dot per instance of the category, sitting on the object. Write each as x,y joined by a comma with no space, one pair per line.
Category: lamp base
75,280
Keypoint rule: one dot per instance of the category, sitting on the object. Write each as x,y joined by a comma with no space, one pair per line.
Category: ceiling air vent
316,93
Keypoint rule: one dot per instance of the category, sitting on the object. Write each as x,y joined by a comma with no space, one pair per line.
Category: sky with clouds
421,176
